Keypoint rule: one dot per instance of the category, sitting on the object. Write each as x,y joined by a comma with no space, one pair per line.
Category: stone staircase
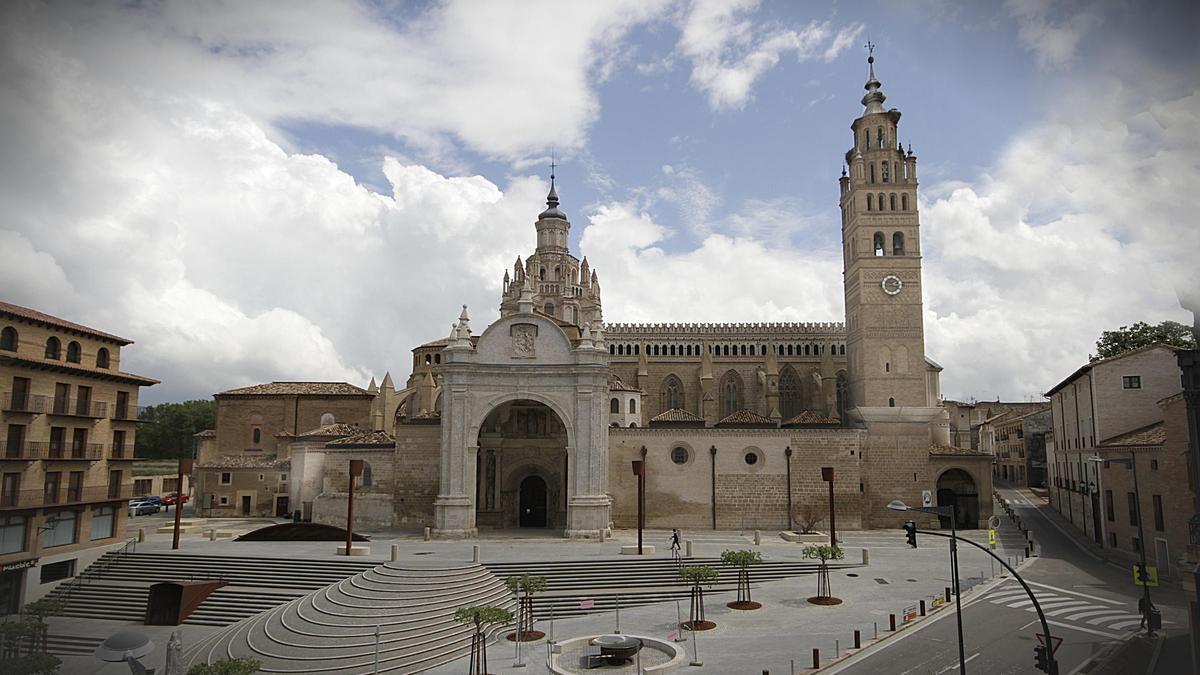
334,629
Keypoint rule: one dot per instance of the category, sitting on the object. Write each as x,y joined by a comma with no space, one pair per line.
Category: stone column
454,508
588,504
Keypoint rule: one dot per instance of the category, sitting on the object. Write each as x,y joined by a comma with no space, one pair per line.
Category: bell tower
885,343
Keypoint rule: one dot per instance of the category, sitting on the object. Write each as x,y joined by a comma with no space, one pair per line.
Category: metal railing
95,571
30,498
24,402
78,407
66,450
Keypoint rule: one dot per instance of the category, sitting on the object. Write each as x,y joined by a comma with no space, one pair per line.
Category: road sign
992,538
994,522
1055,641
1151,576
910,613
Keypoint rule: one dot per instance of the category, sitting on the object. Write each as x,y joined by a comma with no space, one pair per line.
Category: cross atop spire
552,210
874,98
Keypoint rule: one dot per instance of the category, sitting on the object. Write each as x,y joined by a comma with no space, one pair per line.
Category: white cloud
1076,230
729,53
1052,42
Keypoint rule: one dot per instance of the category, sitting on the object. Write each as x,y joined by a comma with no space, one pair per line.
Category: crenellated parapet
815,328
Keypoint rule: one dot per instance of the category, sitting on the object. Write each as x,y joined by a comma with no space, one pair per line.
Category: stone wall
417,473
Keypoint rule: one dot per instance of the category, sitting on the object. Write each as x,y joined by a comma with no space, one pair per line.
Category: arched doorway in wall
522,467
957,487
532,502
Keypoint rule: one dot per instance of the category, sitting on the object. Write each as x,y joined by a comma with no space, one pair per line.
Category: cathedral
535,420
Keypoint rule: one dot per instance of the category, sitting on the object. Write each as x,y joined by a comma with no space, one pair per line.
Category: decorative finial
552,210
843,171
874,98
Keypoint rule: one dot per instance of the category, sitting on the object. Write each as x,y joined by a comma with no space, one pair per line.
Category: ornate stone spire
552,210
874,98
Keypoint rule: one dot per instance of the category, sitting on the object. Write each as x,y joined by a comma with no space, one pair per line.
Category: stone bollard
922,608
212,534
141,535
688,548
892,622
947,594
757,538
475,553
603,535
866,557
857,639
428,533
816,658
395,552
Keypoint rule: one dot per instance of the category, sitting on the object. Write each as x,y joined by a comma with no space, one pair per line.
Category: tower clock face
891,284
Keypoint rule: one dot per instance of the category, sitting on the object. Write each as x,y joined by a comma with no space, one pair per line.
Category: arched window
870,202
549,308
672,350
898,243
872,172
884,171
789,350
688,349
789,393
102,358
620,350
731,390
880,198
878,243
428,359
614,406
327,419
365,480
903,202
256,423
557,272
892,201
437,358
612,349
633,406
637,350
808,350
726,350
743,350
841,350
542,274
8,339
672,393
53,348
654,350
891,403
74,352
879,136
762,350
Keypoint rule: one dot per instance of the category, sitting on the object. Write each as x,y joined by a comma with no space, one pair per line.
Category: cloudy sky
257,191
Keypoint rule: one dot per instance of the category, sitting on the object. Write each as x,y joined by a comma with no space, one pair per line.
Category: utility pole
827,476
185,466
356,469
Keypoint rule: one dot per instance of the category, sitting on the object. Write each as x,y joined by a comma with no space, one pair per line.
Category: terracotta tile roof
811,417
436,343
1153,434
47,320
298,389
741,417
615,384
675,415
332,430
248,462
936,449
207,433
364,439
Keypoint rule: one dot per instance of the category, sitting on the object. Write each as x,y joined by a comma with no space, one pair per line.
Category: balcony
24,402
91,494
127,413
22,452
78,408
87,452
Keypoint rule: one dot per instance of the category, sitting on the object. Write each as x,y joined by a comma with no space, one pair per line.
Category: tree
1140,334
481,617
824,553
742,560
29,630
169,427
697,576
526,585
227,667
808,514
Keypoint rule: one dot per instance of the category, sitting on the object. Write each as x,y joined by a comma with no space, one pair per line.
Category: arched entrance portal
522,468
532,502
957,487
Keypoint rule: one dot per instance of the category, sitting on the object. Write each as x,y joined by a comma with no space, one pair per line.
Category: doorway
1163,557
281,507
533,502
246,500
956,487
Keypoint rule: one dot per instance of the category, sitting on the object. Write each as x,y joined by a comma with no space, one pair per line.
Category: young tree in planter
824,553
742,560
808,514
526,585
697,576
481,616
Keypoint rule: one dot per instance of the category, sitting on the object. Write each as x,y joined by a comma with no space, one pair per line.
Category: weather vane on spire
552,164
870,50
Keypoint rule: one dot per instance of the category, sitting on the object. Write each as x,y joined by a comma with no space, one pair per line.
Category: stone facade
1017,444
534,421
69,414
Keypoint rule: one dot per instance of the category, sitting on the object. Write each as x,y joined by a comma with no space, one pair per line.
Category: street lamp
1143,577
951,511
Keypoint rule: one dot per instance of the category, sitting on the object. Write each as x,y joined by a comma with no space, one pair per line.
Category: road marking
1027,625
1082,595
1095,612
955,666
1064,609
1081,629
1105,619
1126,624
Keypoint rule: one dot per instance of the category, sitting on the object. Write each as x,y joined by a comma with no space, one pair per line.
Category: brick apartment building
70,415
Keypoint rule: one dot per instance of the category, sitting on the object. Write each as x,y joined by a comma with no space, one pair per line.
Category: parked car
173,497
138,507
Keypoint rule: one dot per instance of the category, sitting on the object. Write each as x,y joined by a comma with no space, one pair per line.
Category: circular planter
816,600
699,625
746,605
527,636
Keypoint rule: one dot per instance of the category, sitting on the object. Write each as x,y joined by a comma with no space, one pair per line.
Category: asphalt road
1089,602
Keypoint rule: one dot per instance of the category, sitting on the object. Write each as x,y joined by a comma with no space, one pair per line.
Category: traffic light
1041,659
910,529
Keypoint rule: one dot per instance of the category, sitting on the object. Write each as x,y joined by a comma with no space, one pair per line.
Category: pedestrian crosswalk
1071,609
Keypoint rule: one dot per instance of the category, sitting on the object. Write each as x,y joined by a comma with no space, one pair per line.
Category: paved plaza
782,633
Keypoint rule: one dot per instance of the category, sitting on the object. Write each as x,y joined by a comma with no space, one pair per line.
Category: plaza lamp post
639,470
1142,576
356,470
185,466
1050,665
